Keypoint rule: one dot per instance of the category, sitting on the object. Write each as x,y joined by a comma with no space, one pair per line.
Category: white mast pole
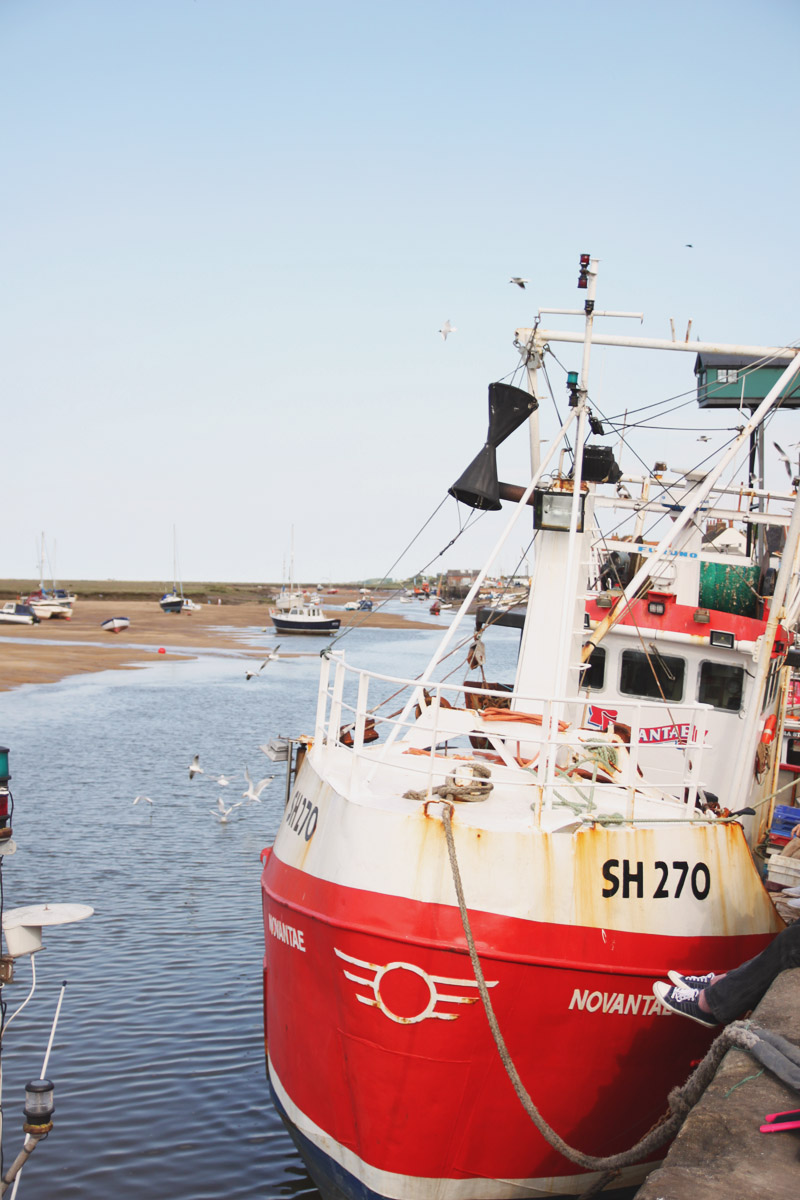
568,607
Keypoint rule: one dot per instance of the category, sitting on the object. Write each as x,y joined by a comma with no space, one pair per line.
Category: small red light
583,282
585,260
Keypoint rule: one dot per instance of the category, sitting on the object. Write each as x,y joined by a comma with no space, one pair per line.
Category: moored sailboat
583,812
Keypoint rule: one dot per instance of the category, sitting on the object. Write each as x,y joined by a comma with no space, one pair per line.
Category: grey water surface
158,1060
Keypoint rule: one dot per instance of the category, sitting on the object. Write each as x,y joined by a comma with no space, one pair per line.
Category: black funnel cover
508,408
478,486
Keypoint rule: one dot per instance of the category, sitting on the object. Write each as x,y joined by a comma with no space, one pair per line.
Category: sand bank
54,649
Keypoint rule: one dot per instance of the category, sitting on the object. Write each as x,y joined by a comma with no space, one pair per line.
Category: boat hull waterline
371,957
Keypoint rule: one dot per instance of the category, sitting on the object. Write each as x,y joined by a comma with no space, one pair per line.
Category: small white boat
46,605
17,614
115,624
171,602
303,618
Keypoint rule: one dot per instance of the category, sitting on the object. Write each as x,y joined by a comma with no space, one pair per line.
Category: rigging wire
475,513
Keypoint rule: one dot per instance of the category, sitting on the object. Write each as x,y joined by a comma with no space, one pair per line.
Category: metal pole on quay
22,928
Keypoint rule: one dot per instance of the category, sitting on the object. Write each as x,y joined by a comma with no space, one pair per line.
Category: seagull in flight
787,462
221,812
447,328
271,654
689,245
253,793
224,780
146,799
194,767
704,437
519,281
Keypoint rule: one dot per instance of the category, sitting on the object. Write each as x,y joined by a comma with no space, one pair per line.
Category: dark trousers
743,987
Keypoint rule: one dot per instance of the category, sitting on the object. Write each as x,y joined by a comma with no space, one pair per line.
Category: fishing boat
115,624
304,617
485,895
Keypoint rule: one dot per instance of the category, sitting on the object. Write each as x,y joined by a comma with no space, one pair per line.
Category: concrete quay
719,1153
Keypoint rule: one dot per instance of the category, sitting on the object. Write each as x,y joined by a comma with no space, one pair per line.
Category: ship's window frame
706,688
773,679
727,375
597,666
639,659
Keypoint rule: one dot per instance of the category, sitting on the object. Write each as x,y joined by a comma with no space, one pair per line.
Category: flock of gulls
251,794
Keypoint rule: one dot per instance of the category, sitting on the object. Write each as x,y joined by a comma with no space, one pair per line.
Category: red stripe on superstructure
431,1099
679,618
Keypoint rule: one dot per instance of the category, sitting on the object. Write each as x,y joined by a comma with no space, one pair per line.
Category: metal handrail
545,742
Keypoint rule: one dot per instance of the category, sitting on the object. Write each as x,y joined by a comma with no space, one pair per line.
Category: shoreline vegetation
55,649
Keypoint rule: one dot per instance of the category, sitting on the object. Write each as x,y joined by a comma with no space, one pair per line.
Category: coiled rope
769,1048
473,785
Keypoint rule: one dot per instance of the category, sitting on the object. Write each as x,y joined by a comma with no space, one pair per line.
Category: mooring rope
760,1043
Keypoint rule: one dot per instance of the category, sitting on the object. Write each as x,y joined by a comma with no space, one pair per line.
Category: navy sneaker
698,982
684,1001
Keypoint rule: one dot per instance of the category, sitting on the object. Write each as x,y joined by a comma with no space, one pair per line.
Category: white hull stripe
394,1186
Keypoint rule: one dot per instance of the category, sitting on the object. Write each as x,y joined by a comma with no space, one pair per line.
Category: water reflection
158,1060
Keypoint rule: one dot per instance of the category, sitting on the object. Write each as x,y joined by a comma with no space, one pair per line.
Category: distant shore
55,649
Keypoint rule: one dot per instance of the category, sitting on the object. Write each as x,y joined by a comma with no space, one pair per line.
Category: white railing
366,712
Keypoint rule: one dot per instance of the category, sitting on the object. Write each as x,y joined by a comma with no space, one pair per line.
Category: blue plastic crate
784,819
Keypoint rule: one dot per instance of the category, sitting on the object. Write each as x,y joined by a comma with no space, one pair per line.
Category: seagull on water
519,281
221,812
271,655
195,768
447,328
146,799
253,793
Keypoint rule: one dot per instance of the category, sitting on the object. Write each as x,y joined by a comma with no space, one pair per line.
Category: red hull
422,1096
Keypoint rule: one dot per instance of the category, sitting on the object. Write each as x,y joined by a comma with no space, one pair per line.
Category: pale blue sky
230,230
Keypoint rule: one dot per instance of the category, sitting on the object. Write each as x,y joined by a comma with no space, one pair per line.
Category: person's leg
743,987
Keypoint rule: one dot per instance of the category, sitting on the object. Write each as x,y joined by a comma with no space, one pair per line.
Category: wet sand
54,649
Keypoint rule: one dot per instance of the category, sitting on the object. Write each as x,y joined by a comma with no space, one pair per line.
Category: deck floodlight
599,465
718,637
39,1107
553,510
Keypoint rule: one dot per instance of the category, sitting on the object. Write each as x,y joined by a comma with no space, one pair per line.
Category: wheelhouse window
722,685
727,375
653,676
594,676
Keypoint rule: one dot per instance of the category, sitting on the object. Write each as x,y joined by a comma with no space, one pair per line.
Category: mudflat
55,648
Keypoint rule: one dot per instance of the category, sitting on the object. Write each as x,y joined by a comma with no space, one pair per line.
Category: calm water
158,1060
